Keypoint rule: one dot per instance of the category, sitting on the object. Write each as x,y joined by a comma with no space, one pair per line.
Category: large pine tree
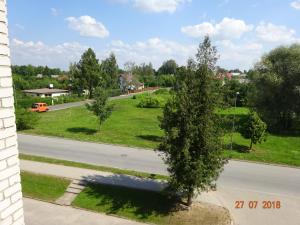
192,141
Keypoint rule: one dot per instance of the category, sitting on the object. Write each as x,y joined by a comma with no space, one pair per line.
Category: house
128,82
240,77
46,92
54,76
39,76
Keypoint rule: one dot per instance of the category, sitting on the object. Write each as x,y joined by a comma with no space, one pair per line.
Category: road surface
240,180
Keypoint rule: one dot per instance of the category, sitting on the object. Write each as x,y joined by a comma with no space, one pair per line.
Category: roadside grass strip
47,188
147,206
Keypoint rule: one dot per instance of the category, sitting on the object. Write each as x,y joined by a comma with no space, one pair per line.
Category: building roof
45,91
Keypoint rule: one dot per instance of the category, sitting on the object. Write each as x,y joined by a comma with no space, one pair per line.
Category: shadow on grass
238,148
140,204
154,138
84,130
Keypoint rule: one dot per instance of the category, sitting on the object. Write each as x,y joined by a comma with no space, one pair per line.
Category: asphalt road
239,181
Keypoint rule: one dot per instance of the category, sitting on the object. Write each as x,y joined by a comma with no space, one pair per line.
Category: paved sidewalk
43,213
74,173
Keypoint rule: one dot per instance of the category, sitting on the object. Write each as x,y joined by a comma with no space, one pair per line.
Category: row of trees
30,70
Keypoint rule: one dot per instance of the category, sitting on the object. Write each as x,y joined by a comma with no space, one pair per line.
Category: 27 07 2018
267,204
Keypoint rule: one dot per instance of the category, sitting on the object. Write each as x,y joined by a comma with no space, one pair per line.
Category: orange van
39,107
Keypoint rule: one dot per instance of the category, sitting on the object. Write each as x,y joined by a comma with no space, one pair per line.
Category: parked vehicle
39,107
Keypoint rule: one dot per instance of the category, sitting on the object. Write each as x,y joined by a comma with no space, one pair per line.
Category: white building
46,92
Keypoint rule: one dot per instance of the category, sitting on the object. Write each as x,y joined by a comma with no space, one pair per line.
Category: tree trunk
251,145
90,93
190,197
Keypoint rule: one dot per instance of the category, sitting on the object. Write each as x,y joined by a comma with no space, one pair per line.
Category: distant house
55,76
240,77
46,92
127,82
39,76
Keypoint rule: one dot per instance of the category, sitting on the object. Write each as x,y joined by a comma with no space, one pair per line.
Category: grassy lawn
144,206
128,125
92,167
43,187
139,127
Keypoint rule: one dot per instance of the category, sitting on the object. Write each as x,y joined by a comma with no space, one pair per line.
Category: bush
150,102
26,119
162,92
114,92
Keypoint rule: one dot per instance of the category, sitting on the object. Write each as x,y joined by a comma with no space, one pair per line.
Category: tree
169,67
276,95
230,88
207,54
254,129
192,137
145,74
110,70
99,106
86,73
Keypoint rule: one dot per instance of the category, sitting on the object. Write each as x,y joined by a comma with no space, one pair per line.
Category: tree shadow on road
84,130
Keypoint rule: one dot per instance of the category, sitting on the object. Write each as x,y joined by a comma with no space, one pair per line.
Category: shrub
26,119
114,92
253,128
150,102
162,92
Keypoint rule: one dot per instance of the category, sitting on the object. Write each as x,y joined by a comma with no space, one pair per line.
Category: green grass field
128,125
43,187
139,127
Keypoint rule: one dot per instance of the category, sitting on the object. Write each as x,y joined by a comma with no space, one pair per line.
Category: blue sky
56,32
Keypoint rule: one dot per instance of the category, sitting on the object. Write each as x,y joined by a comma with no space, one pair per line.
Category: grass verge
92,167
43,187
146,206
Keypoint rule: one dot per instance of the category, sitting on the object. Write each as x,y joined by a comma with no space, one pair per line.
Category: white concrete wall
11,205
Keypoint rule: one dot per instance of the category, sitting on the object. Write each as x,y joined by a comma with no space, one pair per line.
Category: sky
57,32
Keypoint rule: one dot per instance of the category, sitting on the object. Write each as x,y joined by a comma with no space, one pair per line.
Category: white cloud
19,26
241,56
54,12
38,53
158,6
88,26
153,50
296,4
273,33
227,29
